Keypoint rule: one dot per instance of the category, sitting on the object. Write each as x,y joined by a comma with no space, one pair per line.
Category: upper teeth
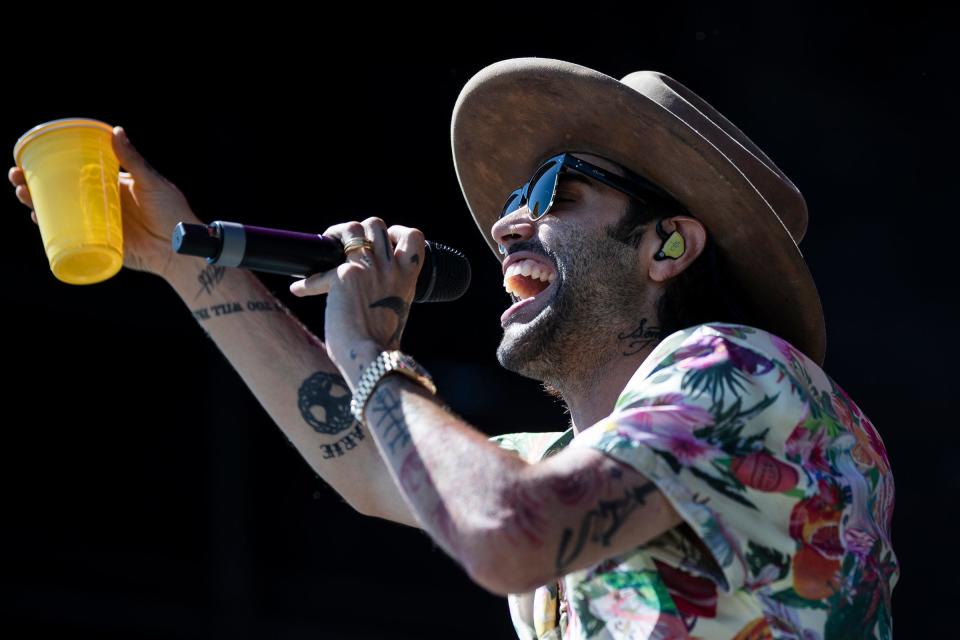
532,269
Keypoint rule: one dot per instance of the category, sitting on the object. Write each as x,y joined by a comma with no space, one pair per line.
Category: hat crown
775,187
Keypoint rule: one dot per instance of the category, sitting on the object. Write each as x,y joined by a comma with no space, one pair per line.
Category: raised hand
151,206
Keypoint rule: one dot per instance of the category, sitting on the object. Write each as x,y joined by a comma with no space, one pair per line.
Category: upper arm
567,513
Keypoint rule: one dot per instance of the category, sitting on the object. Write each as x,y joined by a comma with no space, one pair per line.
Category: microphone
445,274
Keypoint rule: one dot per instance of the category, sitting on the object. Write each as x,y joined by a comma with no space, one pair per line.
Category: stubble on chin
574,334
525,348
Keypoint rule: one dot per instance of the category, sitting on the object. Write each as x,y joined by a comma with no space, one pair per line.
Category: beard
599,292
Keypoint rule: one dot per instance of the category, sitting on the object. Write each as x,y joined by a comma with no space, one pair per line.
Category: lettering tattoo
227,308
324,402
344,444
388,419
600,524
209,278
399,307
640,338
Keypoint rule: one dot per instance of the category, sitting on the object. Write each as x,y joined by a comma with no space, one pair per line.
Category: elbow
490,574
498,569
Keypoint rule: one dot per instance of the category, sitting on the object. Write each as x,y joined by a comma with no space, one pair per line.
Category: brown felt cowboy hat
514,114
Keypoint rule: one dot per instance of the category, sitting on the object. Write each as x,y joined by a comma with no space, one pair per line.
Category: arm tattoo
599,524
414,259
226,308
388,419
209,278
413,478
640,337
528,520
324,401
399,307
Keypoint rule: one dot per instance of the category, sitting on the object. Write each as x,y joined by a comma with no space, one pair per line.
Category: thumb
131,160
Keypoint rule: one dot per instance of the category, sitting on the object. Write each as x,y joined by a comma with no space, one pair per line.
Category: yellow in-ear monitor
672,246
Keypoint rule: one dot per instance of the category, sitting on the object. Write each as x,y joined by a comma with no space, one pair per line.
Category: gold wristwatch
387,362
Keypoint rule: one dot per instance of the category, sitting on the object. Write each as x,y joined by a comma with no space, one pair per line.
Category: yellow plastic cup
74,181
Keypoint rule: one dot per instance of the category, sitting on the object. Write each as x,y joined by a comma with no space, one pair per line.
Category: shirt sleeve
528,445
706,419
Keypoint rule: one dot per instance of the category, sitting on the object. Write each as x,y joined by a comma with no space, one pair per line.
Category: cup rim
53,125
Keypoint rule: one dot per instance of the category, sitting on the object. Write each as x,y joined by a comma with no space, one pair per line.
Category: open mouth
531,284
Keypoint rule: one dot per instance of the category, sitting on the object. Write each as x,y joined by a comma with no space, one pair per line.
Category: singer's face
575,280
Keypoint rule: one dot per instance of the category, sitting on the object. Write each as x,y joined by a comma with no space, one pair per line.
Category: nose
513,228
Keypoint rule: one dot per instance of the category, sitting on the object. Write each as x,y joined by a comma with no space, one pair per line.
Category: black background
147,493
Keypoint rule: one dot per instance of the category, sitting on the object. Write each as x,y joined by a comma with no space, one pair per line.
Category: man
714,481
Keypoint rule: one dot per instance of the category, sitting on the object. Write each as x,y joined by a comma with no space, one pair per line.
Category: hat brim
514,114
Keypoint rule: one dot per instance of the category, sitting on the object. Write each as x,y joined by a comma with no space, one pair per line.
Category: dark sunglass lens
513,203
542,189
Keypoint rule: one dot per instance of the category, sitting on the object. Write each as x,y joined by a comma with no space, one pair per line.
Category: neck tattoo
640,338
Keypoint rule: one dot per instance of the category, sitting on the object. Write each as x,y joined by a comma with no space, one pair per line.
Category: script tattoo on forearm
324,401
399,307
640,337
388,419
226,308
600,524
209,278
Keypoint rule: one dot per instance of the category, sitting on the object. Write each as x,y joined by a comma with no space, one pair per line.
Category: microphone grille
446,274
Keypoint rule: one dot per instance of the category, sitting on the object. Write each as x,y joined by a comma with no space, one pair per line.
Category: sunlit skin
605,290
512,524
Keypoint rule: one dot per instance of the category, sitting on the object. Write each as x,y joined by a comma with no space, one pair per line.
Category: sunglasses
539,192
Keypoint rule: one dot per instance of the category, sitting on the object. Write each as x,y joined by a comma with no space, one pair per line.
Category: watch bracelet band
387,362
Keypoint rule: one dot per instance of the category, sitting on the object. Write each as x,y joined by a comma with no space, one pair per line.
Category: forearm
460,501
286,367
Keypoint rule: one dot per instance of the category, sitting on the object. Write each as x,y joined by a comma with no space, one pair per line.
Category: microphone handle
289,253
277,250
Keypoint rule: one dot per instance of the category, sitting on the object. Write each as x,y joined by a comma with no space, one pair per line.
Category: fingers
376,230
345,231
409,246
19,182
23,195
17,178
398,246
319,283
315,285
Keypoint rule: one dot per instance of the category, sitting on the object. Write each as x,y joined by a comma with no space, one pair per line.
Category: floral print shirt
785,490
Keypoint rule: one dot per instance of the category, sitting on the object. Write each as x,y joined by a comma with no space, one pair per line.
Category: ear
694,239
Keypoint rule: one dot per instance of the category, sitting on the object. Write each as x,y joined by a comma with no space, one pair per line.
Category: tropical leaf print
784,486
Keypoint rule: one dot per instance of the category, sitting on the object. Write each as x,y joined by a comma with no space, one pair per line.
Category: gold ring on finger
357,243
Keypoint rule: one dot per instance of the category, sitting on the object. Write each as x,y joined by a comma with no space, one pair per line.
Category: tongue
525,286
